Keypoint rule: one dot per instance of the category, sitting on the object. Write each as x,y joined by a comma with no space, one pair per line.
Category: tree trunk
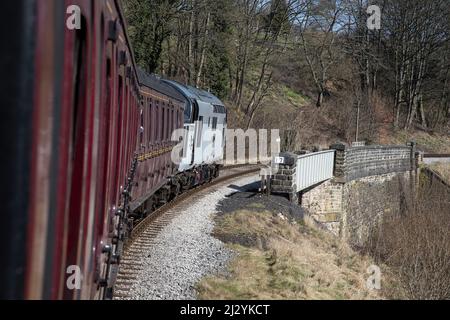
422,112
203,53
320,99
190,46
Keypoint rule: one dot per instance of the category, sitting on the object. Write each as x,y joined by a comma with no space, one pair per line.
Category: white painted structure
314,168
301,172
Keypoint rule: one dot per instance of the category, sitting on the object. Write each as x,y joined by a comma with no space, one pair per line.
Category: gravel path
185,251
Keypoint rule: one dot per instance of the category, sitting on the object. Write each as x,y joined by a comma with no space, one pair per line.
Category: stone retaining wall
353,209
284,176
359,162
370,182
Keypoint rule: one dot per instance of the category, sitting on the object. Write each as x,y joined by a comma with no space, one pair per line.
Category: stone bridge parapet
354,163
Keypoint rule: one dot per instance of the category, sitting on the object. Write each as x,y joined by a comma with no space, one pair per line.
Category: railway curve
144,232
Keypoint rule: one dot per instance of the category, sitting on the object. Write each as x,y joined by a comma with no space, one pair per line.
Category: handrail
315,154
432,155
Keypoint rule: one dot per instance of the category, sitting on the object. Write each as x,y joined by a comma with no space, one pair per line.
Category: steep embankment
426,141
443,169
280,257
290,105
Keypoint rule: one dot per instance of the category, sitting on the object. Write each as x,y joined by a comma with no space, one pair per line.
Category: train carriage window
162,123
120,127
126,123
149,123
147,109
167,127
144,107
156,122
165,123
142,129
173,120
169,123
77,140
214,124
79,74
152,121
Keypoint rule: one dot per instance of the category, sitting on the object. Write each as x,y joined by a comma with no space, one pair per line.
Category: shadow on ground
247,197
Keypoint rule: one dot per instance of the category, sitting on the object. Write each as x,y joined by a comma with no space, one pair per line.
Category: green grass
294,97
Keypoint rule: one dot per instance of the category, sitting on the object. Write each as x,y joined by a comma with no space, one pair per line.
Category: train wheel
176,189
164,195
212,173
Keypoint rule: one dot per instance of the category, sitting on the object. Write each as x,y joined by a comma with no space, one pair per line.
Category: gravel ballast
185,251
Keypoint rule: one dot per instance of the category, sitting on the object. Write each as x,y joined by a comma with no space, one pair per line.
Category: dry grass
285,260
443,169
428,142
416,246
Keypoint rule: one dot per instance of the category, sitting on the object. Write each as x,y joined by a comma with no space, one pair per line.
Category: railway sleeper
178,184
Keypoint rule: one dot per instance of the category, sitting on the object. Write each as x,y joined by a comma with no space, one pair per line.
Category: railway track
146,231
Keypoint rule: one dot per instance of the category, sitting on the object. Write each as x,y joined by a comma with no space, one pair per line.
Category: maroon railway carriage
83,136
161,114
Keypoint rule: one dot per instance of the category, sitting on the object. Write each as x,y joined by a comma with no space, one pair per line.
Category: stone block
330,217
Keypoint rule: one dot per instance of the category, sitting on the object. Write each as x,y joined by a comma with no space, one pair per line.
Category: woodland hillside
309,67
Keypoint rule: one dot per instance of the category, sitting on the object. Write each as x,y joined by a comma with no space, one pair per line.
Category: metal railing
314,168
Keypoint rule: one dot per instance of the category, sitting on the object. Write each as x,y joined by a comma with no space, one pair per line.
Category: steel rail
147,229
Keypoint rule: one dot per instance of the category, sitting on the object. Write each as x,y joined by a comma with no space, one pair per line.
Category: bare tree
415,30
272,44
318,25
247,31
415,244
